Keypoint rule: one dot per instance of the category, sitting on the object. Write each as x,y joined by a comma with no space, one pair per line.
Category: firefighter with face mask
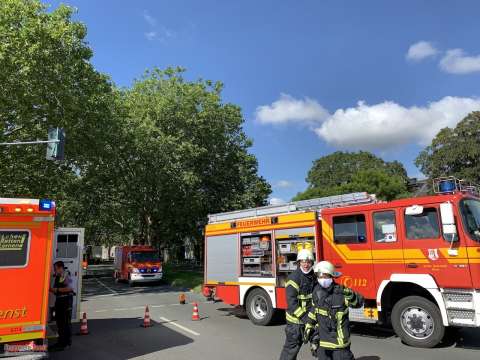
298,288
328,326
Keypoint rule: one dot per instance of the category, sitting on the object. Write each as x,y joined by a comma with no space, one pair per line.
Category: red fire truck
139,263
415,260
26,238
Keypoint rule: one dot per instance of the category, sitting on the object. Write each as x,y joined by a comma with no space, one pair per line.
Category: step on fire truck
416,261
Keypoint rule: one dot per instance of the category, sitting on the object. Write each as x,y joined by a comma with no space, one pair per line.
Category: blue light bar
46,205
447,186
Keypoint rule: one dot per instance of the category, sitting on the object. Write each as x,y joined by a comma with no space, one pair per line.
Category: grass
183,278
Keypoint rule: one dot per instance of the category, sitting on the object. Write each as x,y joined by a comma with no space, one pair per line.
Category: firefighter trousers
335,354
293,341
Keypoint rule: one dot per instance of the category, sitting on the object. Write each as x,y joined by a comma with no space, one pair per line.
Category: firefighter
299,288
328,326
62,288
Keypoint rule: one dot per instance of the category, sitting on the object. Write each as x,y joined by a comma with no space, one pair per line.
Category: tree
47,80
343,172
454,152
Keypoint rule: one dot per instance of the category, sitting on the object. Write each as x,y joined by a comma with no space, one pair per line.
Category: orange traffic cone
195,316
181,299
83,325
146,318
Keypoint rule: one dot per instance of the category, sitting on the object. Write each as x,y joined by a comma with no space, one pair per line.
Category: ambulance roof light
46,205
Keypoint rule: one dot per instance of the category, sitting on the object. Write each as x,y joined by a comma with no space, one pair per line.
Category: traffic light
56,146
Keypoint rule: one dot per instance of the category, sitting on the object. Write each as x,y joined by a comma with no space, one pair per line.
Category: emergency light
447,186
46,205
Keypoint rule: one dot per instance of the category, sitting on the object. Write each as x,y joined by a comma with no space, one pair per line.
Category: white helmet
305,254
325,267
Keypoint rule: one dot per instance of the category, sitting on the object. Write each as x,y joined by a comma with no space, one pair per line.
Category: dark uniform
299,297
328,319
63,310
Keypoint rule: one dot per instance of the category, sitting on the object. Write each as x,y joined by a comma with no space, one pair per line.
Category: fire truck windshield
145,256
471,217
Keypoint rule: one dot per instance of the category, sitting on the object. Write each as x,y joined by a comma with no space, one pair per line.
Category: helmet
305,254
325,267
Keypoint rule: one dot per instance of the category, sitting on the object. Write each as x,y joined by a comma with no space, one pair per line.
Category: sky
311,76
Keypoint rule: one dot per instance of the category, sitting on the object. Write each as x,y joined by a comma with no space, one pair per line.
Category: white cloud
276,201
288,109
420,51
388,124
149,19
151,35
283,184
456,61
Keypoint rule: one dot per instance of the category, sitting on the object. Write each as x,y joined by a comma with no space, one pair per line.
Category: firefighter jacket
329,315
299,295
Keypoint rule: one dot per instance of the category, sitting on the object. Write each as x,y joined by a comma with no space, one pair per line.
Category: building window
349,229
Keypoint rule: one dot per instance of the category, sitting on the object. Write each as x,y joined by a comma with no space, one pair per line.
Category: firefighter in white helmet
328,315
299,288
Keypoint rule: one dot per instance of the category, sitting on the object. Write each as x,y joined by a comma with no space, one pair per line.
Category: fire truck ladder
295,206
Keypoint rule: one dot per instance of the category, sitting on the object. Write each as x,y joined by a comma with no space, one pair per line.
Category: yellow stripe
20,337
473,252
292,319
301,235
19,324
293,284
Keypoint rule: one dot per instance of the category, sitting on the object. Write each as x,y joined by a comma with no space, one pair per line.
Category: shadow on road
466,338
374,357
122,338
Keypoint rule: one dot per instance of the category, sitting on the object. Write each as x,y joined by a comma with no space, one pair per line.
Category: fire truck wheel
259,307
418,322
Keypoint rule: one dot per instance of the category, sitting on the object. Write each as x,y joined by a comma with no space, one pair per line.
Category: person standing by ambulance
328,315
298,288
62,289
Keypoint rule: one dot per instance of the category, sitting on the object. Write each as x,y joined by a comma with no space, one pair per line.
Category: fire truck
135,264
416,261
26,238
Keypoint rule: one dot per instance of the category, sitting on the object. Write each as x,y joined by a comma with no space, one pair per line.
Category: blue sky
311,76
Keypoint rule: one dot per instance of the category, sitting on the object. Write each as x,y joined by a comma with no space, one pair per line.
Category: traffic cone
195,316
181,299
146,318
83,325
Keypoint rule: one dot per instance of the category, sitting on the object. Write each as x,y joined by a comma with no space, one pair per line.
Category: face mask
325,282
306,272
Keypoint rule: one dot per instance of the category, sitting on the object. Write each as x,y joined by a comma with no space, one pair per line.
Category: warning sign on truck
13,248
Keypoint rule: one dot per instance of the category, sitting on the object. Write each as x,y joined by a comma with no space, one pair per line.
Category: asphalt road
115,313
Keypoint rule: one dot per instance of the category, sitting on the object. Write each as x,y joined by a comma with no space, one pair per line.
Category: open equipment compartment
256,255
288,243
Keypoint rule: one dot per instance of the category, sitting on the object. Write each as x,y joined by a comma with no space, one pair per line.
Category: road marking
106,287
170,322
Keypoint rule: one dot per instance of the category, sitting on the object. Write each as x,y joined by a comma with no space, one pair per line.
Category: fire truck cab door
349,248
68,247
425,250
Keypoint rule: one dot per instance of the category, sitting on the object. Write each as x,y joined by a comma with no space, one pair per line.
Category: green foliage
345,172
146,163
454,152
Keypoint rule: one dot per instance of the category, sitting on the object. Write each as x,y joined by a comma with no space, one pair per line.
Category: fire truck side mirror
448,222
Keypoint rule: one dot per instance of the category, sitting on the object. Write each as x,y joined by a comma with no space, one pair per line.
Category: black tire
418,322
259,307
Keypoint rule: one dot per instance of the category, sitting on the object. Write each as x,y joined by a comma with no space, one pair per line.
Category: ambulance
416,260
26,239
